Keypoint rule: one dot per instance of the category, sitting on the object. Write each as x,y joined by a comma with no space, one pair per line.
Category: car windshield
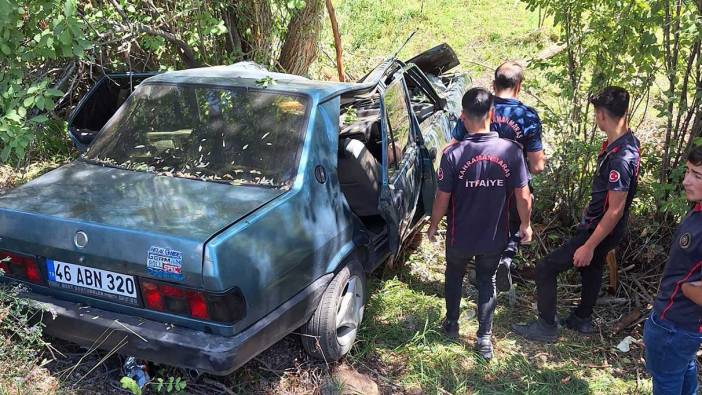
230,135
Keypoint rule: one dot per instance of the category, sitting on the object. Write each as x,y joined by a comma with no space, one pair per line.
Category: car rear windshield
231,135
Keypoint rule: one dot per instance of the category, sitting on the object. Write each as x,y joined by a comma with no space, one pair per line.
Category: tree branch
186,52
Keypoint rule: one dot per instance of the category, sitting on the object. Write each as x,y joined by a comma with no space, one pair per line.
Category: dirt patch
347,381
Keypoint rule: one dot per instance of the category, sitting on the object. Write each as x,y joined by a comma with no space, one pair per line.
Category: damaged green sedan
216,210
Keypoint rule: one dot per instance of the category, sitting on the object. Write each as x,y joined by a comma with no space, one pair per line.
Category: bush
21,346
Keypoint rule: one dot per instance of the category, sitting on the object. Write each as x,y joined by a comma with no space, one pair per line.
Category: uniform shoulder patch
685,240
440,174
614,176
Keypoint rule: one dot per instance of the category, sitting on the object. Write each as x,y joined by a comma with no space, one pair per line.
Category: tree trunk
300,46
253,23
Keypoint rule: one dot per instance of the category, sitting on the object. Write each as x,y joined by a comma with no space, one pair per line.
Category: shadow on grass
401,338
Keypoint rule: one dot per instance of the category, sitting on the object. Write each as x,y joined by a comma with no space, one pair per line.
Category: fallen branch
337,40
626,321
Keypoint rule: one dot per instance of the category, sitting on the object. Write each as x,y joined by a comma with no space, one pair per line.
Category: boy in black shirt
603,224
673,332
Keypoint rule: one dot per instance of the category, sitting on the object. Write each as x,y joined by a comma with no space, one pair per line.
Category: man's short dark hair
695,155
477,103
508,76
614,99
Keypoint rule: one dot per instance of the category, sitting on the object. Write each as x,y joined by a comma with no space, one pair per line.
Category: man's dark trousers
560,260
485,269
515,238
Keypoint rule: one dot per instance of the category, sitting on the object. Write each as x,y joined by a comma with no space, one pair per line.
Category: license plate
91,281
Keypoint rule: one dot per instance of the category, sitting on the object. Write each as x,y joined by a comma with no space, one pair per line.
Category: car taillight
228,308
21,267
152,296
198,306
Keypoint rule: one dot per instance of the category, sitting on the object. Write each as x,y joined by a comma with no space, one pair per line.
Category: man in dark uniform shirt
514,121
613,188
673,332
476,178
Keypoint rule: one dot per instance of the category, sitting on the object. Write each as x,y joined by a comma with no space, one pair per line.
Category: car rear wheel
332,330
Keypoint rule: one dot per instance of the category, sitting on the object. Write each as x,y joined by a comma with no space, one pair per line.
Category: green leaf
5,49
28,101
69,8
5,154
13,116
39,119
53,92
265,82
66,38
130,385
130,8
40,102
180,384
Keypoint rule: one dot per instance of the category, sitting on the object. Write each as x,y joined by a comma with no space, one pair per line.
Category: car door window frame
412,138
421,81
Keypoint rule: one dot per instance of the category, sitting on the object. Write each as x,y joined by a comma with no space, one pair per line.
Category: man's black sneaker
484,347
582,325
450,328
537,330
503,277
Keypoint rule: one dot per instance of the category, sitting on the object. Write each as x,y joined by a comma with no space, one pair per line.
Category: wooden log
613,270
626,321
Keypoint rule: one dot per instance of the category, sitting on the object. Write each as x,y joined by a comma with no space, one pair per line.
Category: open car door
99,104
401,173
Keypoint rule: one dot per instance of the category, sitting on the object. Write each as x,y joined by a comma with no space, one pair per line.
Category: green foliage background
51,51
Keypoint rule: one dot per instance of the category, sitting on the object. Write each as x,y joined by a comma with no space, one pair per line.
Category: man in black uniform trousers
613,188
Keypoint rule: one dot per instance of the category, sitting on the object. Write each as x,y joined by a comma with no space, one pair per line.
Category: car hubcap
350,311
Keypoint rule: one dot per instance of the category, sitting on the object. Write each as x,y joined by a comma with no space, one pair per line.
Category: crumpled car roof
250,74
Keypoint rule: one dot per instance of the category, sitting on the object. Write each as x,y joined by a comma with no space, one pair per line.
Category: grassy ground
399,345
402,336
483,33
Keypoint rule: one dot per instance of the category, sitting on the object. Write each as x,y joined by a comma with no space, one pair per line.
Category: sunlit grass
401,337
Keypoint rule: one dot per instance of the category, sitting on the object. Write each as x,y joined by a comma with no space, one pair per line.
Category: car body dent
293,240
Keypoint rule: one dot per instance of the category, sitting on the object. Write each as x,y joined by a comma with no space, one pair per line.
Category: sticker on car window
165,263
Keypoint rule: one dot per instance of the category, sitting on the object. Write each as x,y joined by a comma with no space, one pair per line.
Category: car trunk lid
127,216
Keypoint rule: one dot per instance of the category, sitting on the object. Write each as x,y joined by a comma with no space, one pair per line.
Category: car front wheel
331,331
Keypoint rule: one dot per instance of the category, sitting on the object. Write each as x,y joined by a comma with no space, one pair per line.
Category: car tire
331,331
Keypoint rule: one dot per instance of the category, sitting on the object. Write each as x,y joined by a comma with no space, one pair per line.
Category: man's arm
441,202
693,291
523,198
537,161
615,211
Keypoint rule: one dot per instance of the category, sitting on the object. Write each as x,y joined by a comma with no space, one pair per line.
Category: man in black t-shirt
673,332
518,122
604,221
476,178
